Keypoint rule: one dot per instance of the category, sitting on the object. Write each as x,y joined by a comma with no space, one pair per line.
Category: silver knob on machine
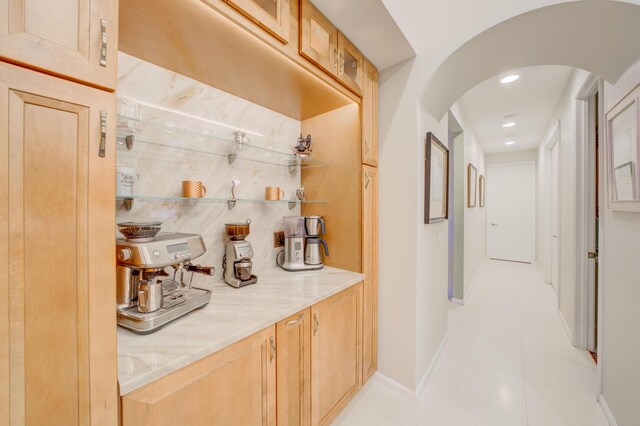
124,254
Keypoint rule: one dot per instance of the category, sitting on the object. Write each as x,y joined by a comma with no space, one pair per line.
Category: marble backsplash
183,120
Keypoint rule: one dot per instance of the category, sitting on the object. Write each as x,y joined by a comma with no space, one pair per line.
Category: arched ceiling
599,36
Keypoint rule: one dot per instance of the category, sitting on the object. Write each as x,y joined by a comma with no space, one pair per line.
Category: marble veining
171,102
232,315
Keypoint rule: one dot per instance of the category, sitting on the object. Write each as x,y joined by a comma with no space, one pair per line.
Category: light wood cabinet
318,38
58,333
272,15
76,39
370,270
235,386
350,64
370,115
294,369
335,353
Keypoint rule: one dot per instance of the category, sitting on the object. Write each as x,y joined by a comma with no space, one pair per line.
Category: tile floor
508,361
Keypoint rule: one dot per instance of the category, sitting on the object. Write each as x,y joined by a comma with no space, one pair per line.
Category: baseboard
414,394
537,265
565,325
457,301
467,293
436,356
393,384
606,411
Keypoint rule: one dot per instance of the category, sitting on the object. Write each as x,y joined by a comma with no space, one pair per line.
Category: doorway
589,117
555,214
511,211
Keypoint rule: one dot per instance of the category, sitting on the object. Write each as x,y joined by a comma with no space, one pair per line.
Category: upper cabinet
76,39
323,44
272,15
370,115
318,38
350,64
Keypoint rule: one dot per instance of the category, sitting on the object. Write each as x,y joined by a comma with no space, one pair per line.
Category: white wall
412,298
475,218
565,112
512,157
620,350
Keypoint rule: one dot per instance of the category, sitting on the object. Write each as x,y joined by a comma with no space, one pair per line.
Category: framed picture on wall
436,181
472,185
482,191
623,153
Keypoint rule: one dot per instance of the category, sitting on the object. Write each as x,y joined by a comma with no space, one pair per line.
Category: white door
555,217
511,211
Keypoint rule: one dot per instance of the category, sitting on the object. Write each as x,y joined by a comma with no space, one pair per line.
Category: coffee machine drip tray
174,306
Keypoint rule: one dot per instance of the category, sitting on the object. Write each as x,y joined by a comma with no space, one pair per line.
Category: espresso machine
151,286
238,252
302,244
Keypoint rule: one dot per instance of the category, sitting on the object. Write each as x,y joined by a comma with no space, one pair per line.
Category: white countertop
231,315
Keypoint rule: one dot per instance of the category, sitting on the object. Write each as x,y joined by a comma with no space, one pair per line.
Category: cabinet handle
103,48
341,63
295,321
315,323
103,133
335,57
273,348
366,183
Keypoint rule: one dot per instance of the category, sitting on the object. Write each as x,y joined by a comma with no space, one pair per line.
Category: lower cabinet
302,371
294,369
336,351
236,386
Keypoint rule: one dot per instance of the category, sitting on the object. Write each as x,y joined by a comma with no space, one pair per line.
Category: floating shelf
231,202
202,136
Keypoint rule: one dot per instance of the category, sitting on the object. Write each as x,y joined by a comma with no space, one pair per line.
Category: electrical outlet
278,239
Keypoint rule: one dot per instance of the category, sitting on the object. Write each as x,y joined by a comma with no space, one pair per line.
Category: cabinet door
57,197
350,64
236,386
272,15
335,353
370,269
71,38
318,38
370,115
294,369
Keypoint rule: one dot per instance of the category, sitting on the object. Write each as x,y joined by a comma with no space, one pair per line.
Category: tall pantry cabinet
58,342
369,191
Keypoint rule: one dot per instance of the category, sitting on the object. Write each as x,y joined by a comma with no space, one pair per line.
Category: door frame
554,140
534,224
582,334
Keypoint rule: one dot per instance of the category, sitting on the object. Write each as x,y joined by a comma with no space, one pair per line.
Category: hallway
508,361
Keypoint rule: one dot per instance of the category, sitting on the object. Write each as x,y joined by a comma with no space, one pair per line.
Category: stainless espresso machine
302,244
151,286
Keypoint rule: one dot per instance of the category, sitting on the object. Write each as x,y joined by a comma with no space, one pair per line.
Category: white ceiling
532,100
368,24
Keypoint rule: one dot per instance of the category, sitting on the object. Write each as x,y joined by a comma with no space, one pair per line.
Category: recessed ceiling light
510,79
509,143
509,124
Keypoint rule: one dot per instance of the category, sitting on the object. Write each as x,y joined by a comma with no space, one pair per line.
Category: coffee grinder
237,262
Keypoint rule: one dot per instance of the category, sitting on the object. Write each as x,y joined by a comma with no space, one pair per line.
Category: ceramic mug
273,193
126,179
193,189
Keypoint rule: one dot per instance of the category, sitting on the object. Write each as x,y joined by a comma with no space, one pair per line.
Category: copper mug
273,193
193,189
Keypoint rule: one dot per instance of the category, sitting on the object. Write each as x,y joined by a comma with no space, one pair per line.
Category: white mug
126,179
